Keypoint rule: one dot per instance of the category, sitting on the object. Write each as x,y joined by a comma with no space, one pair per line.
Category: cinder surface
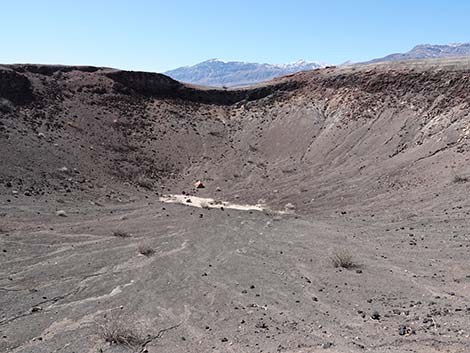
263,282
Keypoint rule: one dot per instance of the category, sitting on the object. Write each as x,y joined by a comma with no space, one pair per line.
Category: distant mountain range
429,51
216,72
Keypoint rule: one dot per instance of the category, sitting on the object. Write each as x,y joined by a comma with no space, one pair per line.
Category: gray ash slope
373,158
319,139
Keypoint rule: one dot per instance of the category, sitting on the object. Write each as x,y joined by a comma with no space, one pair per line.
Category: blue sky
160,35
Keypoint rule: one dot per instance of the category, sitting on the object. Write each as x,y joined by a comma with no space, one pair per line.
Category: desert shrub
129,332
343,259
122,147
6,106
145,182
99,90
459,179
116,331
146,250
121,234
216,133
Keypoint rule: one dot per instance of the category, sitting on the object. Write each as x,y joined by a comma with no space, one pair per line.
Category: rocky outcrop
15,87
146,83
49,70
158,85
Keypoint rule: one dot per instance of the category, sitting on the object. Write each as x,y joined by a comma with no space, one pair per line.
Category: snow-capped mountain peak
218,72
429,51
216,60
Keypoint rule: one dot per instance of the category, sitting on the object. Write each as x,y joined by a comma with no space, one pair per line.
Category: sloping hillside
317,139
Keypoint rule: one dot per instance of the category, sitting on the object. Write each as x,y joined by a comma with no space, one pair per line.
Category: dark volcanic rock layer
15,87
